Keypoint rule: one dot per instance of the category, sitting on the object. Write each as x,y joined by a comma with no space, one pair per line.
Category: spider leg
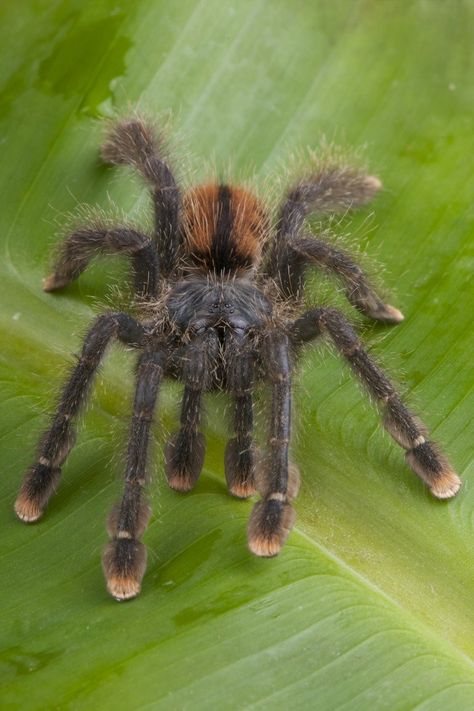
273,517
134,142
184,452
41,479
124,559
240,453
422,455
332,189
84,243
335,261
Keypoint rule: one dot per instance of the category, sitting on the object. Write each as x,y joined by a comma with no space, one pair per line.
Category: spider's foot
39,484
27,510
53,282
373,183
124,564
431,465
184,457
239,470
387,314
446,486
242,489
270,523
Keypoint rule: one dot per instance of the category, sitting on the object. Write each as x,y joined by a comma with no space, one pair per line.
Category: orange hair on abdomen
224,226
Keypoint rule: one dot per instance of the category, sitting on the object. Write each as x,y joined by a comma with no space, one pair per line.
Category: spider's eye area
218,306
224,227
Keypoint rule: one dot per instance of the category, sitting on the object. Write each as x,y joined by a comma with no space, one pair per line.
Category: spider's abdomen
224,227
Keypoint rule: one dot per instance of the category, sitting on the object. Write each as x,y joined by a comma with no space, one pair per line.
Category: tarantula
223,289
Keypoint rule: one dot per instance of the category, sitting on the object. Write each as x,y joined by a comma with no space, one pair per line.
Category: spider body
224,227
200,304
223,311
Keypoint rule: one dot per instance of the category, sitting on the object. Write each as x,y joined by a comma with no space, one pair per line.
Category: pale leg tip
386,313
395,315
124,564
27,511
373,183
446,486
270,523
264,547
53,283
242,490
49,283
181,484
123,588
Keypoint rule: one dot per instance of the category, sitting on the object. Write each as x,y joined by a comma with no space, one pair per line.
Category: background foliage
370,605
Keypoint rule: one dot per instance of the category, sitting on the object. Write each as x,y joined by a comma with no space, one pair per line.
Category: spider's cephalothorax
224,290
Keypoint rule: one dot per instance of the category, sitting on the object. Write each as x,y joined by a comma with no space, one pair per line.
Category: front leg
273,517
41,480
184,453
124,559
240,452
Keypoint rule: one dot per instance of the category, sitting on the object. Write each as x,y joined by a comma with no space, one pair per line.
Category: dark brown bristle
183,463
224,226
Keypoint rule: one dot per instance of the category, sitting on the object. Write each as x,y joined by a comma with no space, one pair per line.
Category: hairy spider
223,289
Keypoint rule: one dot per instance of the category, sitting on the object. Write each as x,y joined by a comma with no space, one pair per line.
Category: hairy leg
42,478
84,243
273,517
124,559
184,452
332,189
134,142
317,252
240,453
423,456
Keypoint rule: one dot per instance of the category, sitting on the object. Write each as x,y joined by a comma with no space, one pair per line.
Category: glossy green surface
371,603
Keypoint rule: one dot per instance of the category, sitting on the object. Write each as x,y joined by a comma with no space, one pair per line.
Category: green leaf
370,604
